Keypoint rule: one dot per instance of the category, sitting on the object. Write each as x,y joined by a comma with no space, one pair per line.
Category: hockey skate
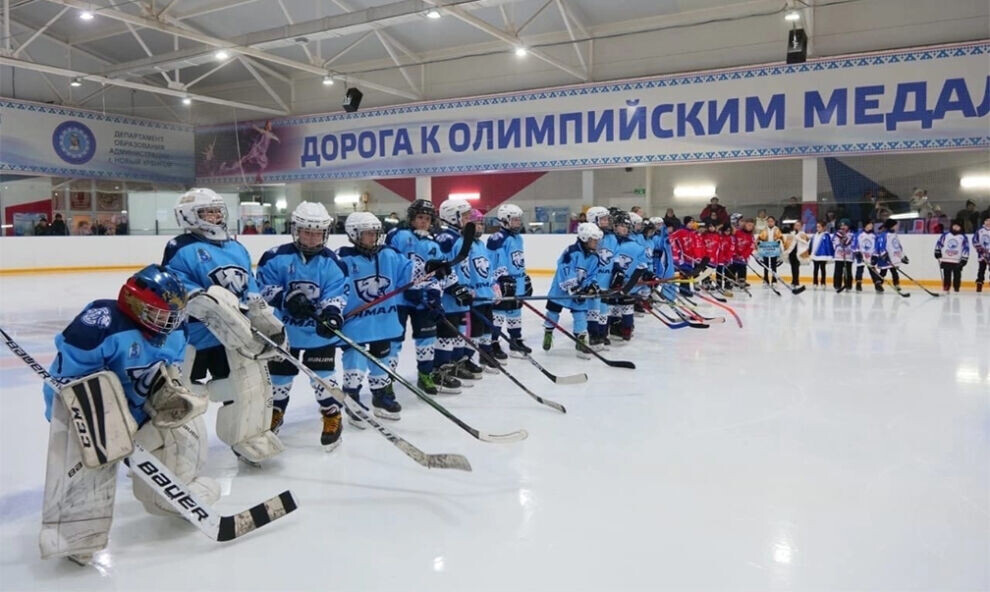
583,351
518,348
426,383
446,383
547,339
497,351
384,403
352,419
332,425
488,363
468,370
278,417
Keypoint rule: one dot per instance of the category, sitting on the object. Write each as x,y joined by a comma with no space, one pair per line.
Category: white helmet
506,213
596,214
189,213
310,215
359,222
637,221
587,231
452,210
657,221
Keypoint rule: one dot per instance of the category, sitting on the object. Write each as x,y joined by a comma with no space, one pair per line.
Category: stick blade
516,436
798,290
237,525
571,379
620,364
434,461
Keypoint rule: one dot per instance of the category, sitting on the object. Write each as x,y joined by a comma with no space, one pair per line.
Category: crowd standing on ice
133,376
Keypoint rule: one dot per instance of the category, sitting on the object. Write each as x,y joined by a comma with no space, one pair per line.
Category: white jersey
981,242
953,247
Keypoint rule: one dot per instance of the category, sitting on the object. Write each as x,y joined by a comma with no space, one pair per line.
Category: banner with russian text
44,139
922,99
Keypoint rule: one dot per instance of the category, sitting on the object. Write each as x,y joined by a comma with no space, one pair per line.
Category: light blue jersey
474,273
576,270
418,248
507,255
606,253
368,277
201,263
102,337
322,277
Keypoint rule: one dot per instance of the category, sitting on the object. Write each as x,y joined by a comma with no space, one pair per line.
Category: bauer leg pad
183,450
245,419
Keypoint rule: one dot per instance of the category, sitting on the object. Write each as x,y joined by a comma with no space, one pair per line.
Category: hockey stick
758,274
672,322
692,317
773,273
483,436
612,363
725,307
430,461
568,379
491,360
917,283
883,280
467,234
160,479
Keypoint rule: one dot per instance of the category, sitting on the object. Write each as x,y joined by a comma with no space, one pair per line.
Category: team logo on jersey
518,259
203,255
482,265
134,351
371,287
623,261
308,289
268,293
143,378
649,252
232,277
97,317
581,273
605,256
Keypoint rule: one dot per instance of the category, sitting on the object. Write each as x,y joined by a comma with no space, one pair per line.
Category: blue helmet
155,299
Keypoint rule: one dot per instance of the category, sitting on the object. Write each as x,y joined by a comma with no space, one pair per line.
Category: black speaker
797,46
352,99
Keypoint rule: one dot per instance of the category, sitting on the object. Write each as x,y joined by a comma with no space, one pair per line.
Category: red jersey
726,249
712,242
744,243
686,246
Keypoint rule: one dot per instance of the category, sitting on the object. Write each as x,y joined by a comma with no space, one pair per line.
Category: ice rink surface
836,442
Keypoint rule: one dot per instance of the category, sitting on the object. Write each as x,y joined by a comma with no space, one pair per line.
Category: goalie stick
515,436
160,478
430,461
468,237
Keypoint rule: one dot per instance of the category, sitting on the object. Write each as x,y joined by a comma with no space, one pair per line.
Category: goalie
120,362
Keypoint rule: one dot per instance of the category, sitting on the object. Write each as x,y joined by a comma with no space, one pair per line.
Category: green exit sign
640,191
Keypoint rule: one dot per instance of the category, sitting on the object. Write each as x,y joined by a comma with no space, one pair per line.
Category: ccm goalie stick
430,461
157,476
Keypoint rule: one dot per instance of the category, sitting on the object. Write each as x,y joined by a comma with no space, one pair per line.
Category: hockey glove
618,280
461,295
591,290
508,286
905,260
328,321
527,285
298,305
438,265
414,295
963,262
170,404
938,254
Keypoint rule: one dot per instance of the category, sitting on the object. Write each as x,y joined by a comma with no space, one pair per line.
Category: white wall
22,254
14,192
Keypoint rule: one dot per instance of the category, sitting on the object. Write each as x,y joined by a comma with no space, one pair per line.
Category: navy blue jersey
322,277
419,248
575,271
507,255
368,277
201,263
101,337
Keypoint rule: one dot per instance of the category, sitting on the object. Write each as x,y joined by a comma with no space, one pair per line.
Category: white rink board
39,253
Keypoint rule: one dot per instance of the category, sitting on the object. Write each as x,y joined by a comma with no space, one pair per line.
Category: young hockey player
216,270
663,258
724,255
414,239
952,252
823,251
372,270
689,252
598,310
712,241
302,280
576,275
460,291
843,252
864,246
125,354
981,242
509,265
744,243
477,276
628,263
888,253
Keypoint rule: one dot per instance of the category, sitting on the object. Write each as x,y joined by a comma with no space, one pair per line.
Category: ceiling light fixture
792,16
328,80
521,52
689,191
466,196
433,14
75,83
975,182
221,54
186,101
86,15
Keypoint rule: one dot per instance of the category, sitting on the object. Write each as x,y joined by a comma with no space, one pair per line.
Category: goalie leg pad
244,422
183,450
78,503
101,419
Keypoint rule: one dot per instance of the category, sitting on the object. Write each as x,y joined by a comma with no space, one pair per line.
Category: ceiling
141,57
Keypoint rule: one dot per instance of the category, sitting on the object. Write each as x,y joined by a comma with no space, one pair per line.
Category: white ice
835,442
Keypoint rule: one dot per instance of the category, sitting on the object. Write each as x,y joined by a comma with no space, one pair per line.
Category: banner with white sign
922,99
51,140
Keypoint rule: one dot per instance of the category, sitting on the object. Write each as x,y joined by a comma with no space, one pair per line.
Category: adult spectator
714,213
249,227
121,229
58,227
760,224
390,222
968,217
792,211
42,228
638,211
670,219
831,224
83,228
920,203
266,228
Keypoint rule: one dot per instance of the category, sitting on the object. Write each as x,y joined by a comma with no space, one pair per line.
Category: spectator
58,227
830,223
985,214
715,213
920,203
761,221
792,211
121,228
968,217
770,242
83,228
390,222
266,228
249,227
42,228
670,219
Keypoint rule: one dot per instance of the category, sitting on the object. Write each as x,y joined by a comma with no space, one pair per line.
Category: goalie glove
262,319
170,404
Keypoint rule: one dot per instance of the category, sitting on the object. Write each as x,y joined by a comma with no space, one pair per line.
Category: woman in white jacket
821,252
